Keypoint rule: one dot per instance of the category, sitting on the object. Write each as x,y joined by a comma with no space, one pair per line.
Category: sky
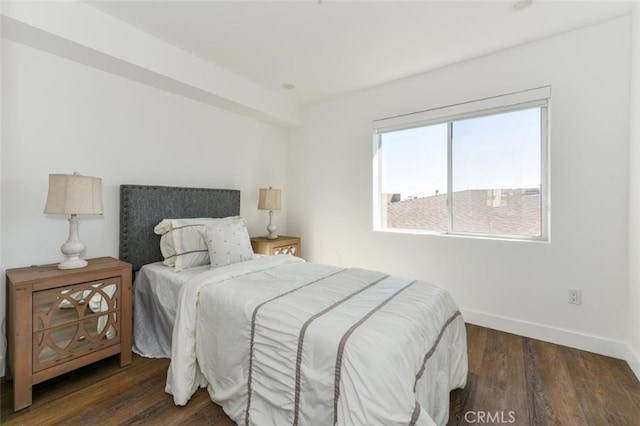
493,152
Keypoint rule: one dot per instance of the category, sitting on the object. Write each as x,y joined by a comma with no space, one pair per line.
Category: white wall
61,27
634,201
514,286
59,116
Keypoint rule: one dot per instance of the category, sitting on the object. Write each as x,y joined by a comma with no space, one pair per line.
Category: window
490,155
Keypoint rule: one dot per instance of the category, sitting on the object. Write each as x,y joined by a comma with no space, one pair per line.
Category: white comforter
280,341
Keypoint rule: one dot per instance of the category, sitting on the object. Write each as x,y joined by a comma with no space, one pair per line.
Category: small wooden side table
62,319
280,245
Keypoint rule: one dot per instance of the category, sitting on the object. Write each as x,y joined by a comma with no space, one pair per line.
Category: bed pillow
228,242
168,249
182,243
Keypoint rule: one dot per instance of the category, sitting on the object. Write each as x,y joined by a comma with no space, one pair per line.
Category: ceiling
329,48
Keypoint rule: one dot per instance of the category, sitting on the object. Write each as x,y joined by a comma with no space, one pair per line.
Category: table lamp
269,199
73,195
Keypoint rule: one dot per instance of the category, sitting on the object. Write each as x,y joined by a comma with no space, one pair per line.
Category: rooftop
487,211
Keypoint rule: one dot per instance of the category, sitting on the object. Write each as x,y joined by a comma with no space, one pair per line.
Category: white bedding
280,341
156,290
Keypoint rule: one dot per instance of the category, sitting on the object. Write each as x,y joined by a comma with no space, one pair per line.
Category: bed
277,340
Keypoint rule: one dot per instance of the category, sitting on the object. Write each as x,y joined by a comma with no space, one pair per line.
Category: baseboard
633,359
573,339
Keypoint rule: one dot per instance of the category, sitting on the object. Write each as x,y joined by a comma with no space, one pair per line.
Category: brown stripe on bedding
433,348
190,225
343,342
415,415
301,340
253,334
186,252
182,226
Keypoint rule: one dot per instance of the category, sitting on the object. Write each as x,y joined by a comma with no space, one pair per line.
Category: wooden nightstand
280,245
59,320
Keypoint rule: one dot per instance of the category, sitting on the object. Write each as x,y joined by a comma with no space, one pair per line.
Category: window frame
517,101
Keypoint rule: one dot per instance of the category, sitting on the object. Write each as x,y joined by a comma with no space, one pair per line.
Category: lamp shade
74,194
269,199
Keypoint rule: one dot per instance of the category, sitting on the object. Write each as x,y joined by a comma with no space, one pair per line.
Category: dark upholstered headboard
143,207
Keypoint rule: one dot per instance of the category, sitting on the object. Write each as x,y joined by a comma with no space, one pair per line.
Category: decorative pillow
182,243
228,242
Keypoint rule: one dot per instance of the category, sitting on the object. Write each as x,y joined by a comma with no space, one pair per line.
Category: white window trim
538,97
471,109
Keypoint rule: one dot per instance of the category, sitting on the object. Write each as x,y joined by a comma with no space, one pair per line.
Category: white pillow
168,249
228,242
182,243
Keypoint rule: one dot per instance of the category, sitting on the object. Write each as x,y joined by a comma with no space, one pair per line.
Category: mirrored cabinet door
74,320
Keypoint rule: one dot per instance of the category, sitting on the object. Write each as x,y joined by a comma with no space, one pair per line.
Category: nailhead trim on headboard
142,207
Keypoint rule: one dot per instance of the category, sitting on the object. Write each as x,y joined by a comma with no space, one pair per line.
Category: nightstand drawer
53,308
290,249
52,346
280,245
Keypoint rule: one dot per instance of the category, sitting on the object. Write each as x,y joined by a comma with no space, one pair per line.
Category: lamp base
72,263
72,248
271,236
273,230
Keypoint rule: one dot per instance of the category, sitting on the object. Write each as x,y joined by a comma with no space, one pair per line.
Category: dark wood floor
538,383
513,380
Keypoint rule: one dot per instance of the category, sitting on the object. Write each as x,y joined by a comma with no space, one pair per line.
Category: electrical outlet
575,296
